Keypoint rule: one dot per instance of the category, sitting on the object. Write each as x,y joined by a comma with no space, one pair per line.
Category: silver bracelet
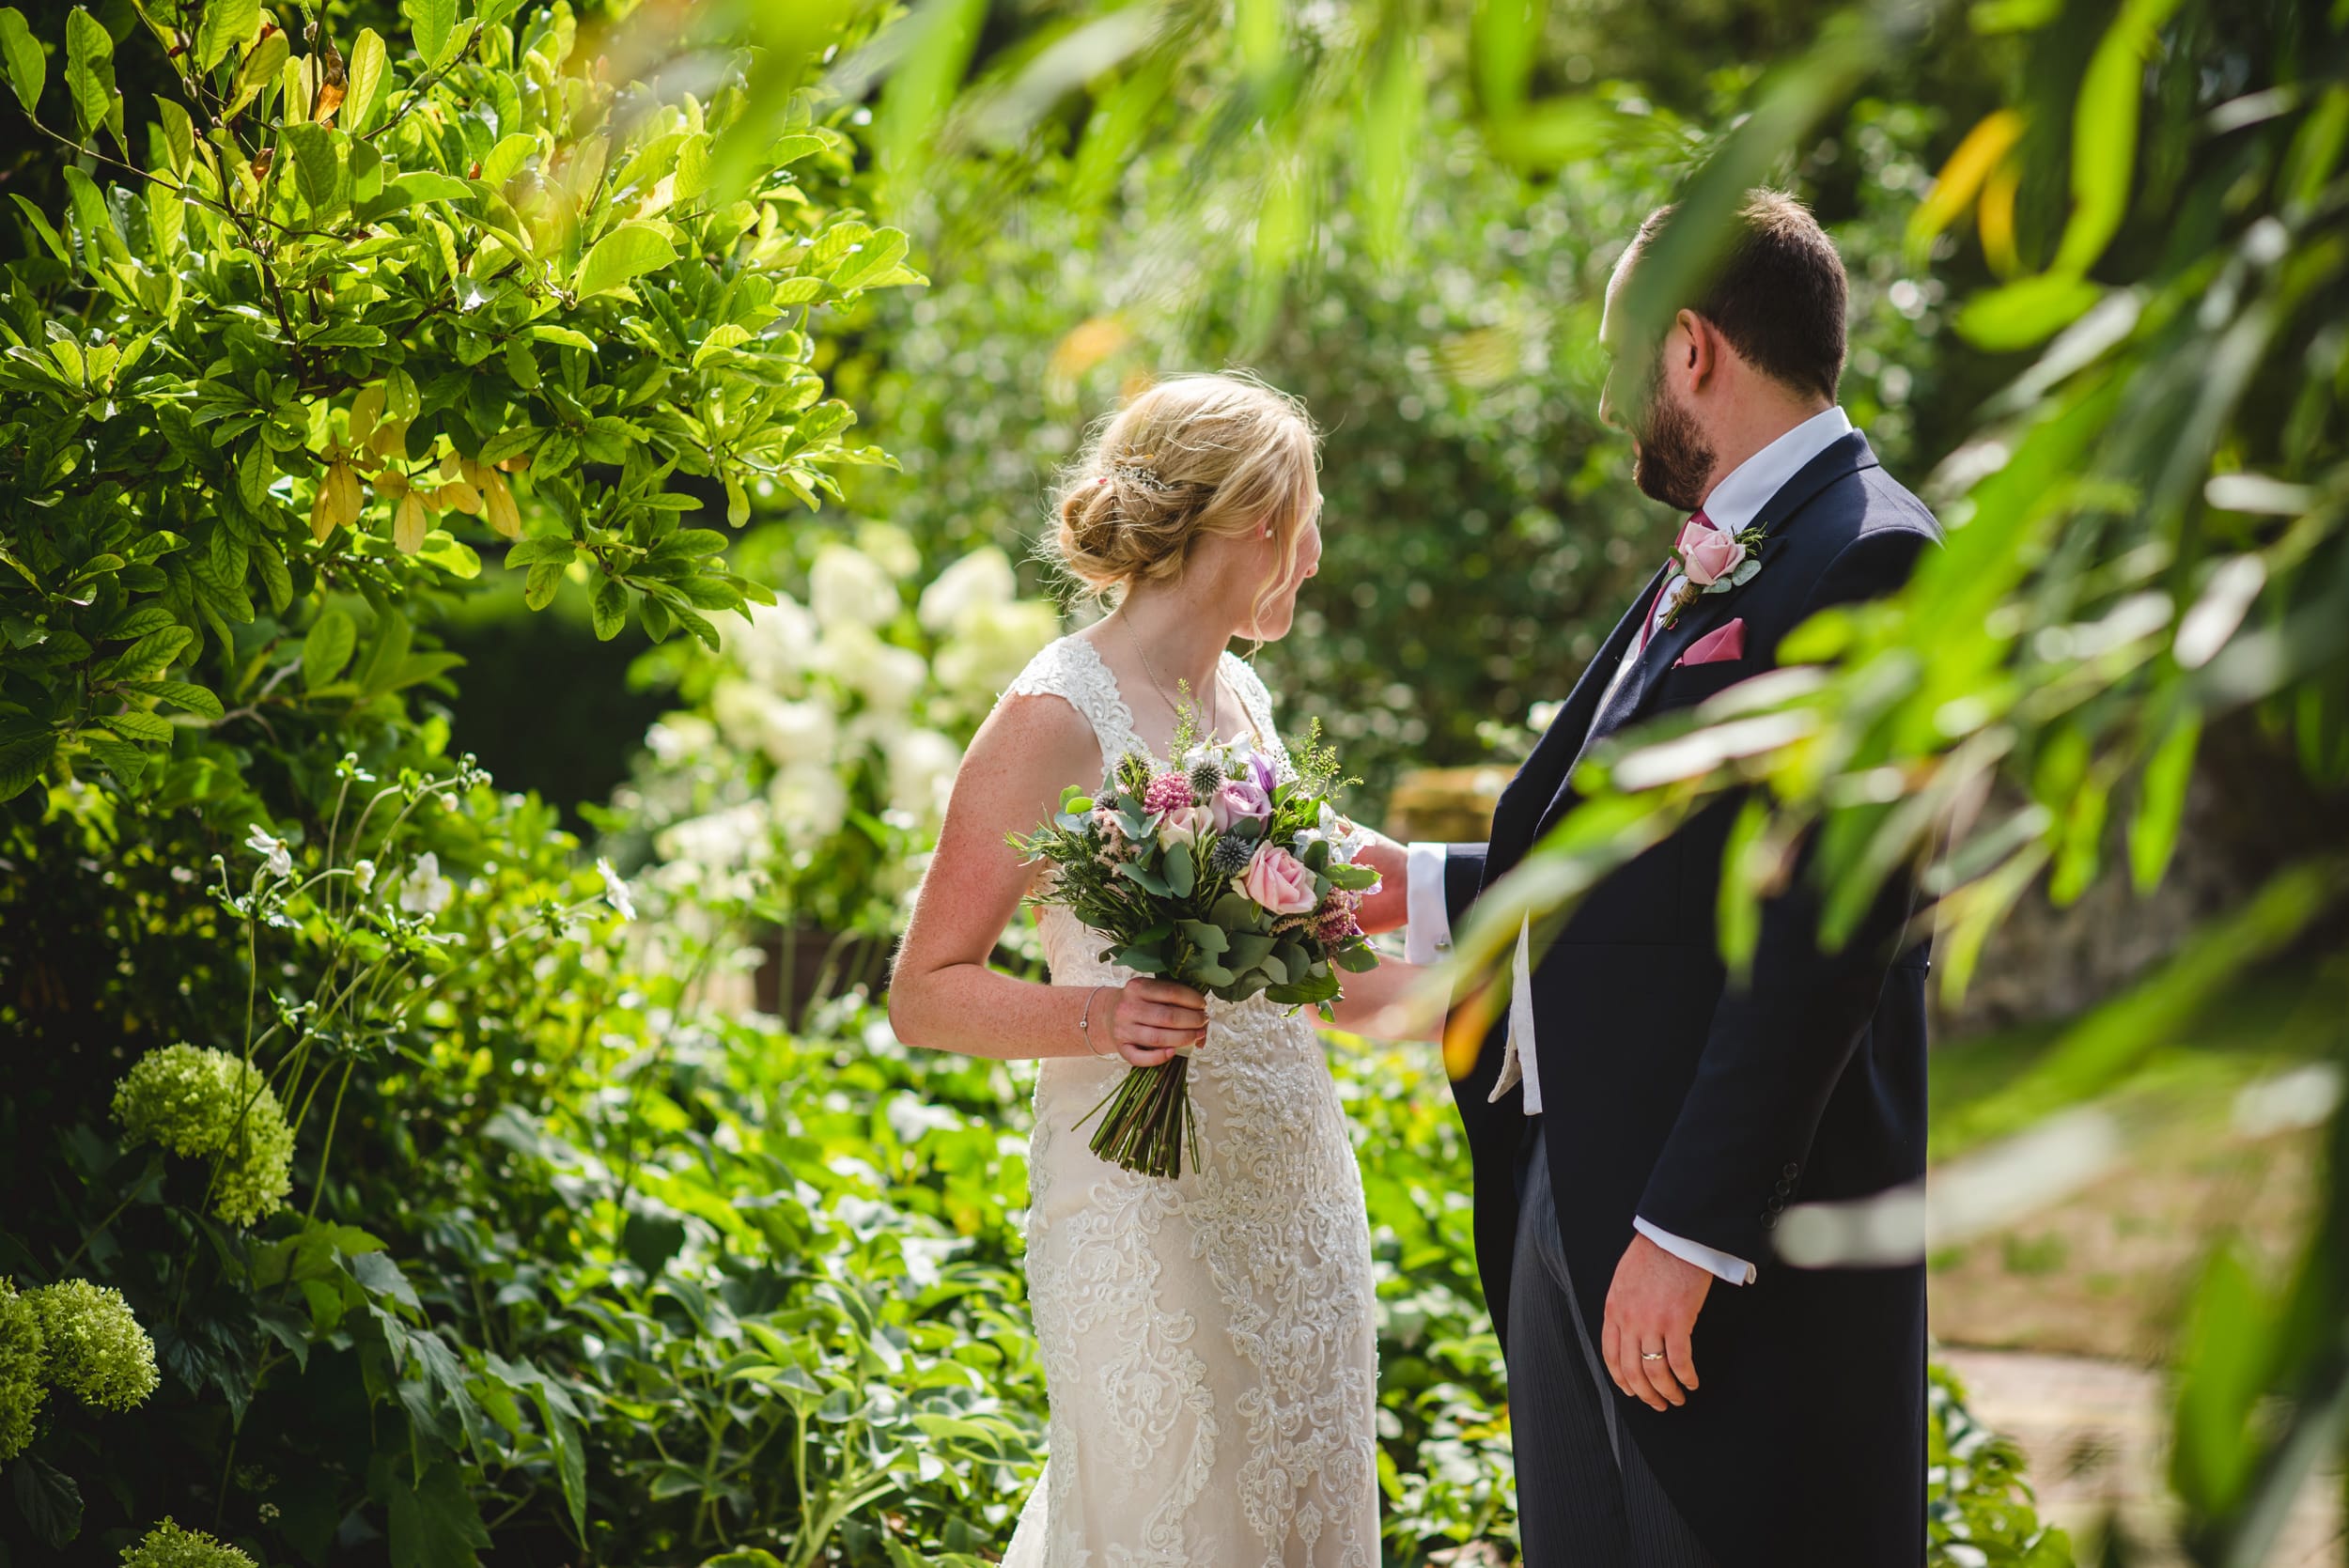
1086,1027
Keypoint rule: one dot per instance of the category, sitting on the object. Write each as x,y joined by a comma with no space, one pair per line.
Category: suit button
1769,1221
1791,1172
1782,1189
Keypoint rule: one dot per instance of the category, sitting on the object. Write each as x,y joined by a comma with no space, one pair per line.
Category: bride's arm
1393,1001
943,995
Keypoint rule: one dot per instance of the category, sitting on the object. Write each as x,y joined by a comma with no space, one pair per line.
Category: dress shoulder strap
1072,671
1253,695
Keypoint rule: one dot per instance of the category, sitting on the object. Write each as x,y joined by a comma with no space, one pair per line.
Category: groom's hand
1391,906
1651,1307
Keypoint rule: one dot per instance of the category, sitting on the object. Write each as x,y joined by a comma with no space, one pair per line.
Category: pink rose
1183,824
1279,881
1238,800
1707,554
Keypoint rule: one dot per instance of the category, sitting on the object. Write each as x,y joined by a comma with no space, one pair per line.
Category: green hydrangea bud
206,1103
96,1349
169,1547
21,1387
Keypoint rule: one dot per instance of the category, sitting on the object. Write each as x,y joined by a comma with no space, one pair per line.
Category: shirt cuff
1427,931
1721,1265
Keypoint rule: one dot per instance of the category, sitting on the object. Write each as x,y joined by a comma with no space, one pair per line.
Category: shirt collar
1742,493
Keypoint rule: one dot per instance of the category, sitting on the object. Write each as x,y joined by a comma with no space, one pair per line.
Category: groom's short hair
1775,289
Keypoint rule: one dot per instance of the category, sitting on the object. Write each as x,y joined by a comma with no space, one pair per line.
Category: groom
1681,1398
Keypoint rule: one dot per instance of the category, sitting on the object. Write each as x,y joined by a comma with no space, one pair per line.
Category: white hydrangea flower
424,890
717,841
848,587
922,765
887,676
980,580
992,644
276,859
809,803
787,730
676,737
773,648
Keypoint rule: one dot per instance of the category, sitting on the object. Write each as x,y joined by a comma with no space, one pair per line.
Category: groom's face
1672,462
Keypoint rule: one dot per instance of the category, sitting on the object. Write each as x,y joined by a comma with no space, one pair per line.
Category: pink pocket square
1716,647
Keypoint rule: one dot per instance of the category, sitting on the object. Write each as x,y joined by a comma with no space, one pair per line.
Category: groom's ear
1699,346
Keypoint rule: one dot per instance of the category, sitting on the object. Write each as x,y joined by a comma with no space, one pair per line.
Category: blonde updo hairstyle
1190,458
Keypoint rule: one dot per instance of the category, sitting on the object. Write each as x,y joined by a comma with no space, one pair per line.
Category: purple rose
1238,800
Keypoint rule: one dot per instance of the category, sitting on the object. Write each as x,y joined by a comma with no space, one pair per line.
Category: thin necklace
1214,711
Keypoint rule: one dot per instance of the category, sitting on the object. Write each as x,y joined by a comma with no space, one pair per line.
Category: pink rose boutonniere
1712,561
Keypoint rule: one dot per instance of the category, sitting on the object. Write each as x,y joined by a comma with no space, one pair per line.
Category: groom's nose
1607,402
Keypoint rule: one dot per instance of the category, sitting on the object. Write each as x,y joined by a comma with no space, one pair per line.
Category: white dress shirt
1732,505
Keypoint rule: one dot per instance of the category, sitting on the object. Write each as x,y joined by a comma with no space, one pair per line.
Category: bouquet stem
1149,1123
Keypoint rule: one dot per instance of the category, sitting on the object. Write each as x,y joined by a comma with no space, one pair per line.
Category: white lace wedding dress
1209,1343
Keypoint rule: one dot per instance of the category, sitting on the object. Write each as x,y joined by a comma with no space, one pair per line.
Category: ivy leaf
27,63
629,251
49,1500
227,25
435,1523
89,71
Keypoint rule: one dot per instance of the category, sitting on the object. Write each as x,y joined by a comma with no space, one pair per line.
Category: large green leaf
227,25
90,74
363,78
27,63
433,21
435,1522
627,252
327,648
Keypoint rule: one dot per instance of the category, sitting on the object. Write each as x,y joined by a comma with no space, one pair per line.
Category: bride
1209,1342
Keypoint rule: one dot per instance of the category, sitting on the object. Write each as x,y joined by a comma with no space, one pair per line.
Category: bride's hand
1390,907
1154,1019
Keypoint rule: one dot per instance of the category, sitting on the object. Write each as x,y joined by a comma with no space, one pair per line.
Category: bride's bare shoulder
1037,734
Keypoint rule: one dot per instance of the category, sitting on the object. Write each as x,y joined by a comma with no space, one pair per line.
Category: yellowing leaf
627,252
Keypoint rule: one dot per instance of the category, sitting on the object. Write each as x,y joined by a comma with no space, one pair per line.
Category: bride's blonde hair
1190,457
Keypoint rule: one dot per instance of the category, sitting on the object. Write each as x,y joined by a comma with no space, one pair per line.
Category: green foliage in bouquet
346,308
1217,875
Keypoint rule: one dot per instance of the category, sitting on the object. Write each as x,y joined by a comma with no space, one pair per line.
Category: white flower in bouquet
848,587
992,644
922,765
888,678
808,803
980,580
677,737
775,644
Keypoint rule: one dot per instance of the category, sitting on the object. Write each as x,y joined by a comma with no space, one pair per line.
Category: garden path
2095,1433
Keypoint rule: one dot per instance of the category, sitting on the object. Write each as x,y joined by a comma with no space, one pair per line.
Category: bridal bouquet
1215,875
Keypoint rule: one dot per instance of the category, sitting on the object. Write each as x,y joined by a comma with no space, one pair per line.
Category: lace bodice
1209,1343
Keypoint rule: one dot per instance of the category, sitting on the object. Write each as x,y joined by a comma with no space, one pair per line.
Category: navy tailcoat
1706,1107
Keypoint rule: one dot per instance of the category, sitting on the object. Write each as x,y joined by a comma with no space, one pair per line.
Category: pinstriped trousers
1585,1498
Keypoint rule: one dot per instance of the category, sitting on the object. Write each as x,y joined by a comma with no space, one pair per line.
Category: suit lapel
1539,781
1848,455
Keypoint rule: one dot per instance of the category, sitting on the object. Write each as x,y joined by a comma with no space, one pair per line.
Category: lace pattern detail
1209,1343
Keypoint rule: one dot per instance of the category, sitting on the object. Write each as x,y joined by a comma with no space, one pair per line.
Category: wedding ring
1651,1355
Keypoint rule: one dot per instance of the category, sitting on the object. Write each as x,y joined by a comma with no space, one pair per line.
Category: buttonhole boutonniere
1712,561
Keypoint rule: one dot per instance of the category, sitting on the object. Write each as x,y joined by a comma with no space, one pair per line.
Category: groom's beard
1672,459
